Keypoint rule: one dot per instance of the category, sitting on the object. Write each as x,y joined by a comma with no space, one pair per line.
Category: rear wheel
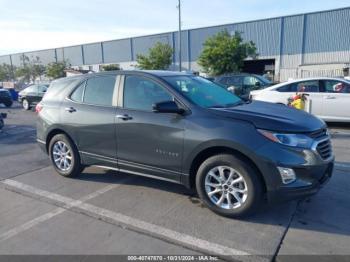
64,156
25,104
229,186
8,104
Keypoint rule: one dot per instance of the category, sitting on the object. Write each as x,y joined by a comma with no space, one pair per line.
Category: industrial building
295,46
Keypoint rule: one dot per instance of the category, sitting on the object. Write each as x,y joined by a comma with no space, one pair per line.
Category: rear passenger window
77,95
332,86
99,91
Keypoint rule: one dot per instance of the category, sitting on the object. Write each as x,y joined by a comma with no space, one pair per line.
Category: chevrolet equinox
188,130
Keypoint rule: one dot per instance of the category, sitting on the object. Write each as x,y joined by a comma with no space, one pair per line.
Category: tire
249,188
8,104
25,104
61,143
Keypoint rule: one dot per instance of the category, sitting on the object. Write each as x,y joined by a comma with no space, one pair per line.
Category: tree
159,58
112,67
6,72
31,69
56,70
224,53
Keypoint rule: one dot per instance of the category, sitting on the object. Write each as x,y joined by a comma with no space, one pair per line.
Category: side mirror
257,84
167,107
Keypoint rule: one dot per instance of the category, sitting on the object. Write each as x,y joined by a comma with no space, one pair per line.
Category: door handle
70,109
124,117
330,97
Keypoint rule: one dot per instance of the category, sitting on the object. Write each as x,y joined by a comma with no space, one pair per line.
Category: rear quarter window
57,89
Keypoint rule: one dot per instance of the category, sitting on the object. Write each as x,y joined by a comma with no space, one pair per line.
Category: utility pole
179,38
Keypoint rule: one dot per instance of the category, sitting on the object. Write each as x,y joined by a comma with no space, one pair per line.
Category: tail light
38,108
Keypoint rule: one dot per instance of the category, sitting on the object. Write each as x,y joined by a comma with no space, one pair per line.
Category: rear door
89,116
336,100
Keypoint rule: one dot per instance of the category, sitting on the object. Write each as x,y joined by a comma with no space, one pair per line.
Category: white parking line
34,222
115,218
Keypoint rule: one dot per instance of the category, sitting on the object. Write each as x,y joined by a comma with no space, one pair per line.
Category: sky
27,25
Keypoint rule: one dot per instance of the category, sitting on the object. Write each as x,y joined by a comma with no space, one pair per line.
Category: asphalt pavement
107,213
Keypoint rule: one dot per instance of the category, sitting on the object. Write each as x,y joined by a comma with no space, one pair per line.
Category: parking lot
104,213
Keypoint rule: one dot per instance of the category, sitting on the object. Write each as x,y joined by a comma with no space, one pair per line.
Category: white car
329,98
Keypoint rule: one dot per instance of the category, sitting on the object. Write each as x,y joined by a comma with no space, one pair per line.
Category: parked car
32,95
5,98
243,84
329,97
185,129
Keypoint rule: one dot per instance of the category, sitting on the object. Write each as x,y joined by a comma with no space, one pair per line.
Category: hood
273,117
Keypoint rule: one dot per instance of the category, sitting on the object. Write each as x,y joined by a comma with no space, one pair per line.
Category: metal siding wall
198,37
184,46
5,60
341,57
141,45
292,41
92,53
117,51
327,32
45,56
16,59
73,55
265,34
60,54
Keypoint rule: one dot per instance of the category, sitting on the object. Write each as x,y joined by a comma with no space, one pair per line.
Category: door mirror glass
167,107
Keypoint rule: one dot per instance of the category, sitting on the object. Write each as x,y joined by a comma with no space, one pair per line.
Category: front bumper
311,171
309,181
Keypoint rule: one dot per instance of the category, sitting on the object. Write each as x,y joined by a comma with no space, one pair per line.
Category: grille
322,133
325,149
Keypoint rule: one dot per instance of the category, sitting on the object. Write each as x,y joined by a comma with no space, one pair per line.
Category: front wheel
64,156
229,186
25,104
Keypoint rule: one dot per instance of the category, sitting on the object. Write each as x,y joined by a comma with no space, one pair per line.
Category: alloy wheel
62,156
226,187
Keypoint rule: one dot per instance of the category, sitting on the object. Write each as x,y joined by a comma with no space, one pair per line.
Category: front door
147,142
91,105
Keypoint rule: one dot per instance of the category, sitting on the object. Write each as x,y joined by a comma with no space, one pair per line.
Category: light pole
179,38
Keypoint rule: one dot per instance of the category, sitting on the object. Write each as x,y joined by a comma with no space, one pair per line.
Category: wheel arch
57,131
215,150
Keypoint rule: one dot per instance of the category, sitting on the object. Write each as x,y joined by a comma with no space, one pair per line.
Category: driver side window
141,93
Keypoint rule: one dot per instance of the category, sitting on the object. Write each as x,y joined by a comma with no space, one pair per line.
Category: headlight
295,140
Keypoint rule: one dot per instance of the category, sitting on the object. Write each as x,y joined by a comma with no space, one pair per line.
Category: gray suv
185,129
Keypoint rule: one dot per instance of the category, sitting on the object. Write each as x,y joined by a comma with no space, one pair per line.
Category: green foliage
158,58
6,72
56,70
30,70
112,67
224,53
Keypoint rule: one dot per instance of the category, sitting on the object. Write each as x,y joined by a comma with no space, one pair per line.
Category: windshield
203,92
264,80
